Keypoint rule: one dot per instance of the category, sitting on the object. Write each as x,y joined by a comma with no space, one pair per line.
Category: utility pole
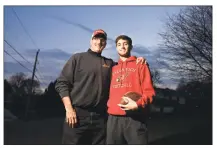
31,90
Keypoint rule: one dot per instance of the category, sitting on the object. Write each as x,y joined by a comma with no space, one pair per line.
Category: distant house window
181,100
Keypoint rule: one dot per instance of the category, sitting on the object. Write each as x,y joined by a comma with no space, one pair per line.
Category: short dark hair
124,37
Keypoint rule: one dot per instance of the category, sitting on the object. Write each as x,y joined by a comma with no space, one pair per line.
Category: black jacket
85,78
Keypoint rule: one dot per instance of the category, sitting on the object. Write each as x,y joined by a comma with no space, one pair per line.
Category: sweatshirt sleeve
65,81
147,86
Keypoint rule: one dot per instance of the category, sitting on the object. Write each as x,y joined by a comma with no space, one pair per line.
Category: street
162,130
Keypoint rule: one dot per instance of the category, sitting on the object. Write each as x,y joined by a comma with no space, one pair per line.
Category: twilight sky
69,29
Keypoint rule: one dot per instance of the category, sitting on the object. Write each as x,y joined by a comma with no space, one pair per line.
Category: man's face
97,44
123,48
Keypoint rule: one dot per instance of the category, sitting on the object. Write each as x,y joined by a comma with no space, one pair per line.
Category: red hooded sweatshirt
129,76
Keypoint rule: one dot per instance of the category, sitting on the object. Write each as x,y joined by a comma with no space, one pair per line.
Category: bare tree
17,80
181,84
187,43
21,84
155,75
28,83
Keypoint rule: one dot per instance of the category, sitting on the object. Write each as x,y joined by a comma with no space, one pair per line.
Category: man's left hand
141,60
131,105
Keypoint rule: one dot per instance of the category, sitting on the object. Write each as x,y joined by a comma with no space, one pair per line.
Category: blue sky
142,23
69,28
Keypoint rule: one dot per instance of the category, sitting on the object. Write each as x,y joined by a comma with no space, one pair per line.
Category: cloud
49,53
140,50
51,62
83,27
163,64
11,67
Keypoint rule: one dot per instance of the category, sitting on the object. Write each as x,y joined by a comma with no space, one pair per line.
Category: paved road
167,130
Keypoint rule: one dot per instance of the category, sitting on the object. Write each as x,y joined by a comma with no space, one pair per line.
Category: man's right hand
71,118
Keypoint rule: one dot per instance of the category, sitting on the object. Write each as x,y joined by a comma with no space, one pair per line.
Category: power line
24,27
37,78
40,74
20,55
17,61
38,70
20,63
40,77
17,51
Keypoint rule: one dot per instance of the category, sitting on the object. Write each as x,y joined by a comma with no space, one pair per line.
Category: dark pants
126,130
91,129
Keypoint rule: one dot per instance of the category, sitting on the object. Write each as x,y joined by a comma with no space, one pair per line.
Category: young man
126,122
84,88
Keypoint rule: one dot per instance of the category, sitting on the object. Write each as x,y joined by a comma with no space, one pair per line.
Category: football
133,95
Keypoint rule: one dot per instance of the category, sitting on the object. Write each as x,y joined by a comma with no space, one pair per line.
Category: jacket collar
94,53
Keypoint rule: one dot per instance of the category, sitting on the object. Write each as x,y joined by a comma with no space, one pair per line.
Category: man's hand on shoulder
141,60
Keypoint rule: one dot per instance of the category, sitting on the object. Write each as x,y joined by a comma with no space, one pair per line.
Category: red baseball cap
99,32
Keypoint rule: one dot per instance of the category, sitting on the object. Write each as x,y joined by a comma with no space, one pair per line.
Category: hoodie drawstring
121,73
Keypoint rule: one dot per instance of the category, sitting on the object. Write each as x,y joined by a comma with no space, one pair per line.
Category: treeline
41,104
